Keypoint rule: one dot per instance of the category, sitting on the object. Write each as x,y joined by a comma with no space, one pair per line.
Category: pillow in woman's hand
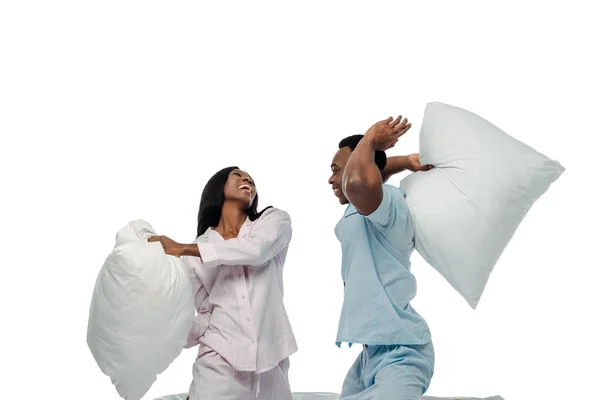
141,311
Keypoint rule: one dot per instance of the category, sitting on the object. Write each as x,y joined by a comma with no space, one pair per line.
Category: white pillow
141,311
466,210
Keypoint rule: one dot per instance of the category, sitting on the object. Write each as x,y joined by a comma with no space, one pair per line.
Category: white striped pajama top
238,286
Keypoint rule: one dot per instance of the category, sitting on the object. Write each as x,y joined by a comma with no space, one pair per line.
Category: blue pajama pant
395,372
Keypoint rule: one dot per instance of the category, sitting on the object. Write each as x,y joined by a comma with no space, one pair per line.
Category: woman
242,328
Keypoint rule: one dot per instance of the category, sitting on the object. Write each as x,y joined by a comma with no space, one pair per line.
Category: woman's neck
232,219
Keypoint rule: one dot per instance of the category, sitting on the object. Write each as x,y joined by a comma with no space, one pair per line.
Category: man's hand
414,165
170,246
384,134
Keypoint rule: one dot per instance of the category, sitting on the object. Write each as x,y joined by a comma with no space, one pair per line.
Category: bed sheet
334,396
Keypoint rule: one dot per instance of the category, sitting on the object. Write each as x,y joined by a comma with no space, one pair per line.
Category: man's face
337,168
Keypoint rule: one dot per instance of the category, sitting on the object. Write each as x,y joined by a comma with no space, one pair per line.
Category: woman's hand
170,246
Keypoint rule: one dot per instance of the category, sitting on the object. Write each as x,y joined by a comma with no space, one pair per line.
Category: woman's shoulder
271,215
274,212
204,237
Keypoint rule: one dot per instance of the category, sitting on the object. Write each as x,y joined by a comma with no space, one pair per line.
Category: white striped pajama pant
215,379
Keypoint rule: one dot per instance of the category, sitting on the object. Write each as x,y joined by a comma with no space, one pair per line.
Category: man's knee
399,392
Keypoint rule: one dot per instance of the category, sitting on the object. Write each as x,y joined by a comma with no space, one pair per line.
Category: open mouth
245,187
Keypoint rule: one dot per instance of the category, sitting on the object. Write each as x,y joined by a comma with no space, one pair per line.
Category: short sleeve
392,209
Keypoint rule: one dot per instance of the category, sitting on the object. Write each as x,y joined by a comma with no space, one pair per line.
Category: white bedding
333,396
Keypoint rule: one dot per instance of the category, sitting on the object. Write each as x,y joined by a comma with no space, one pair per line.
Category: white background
116,110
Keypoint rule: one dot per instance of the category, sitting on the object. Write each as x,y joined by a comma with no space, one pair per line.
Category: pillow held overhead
467,209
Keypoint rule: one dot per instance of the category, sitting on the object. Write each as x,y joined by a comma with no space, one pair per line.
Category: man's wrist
404,162
370,142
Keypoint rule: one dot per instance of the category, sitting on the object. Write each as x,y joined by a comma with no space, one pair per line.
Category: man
377,237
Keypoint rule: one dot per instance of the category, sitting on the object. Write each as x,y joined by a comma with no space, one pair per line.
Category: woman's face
240,187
